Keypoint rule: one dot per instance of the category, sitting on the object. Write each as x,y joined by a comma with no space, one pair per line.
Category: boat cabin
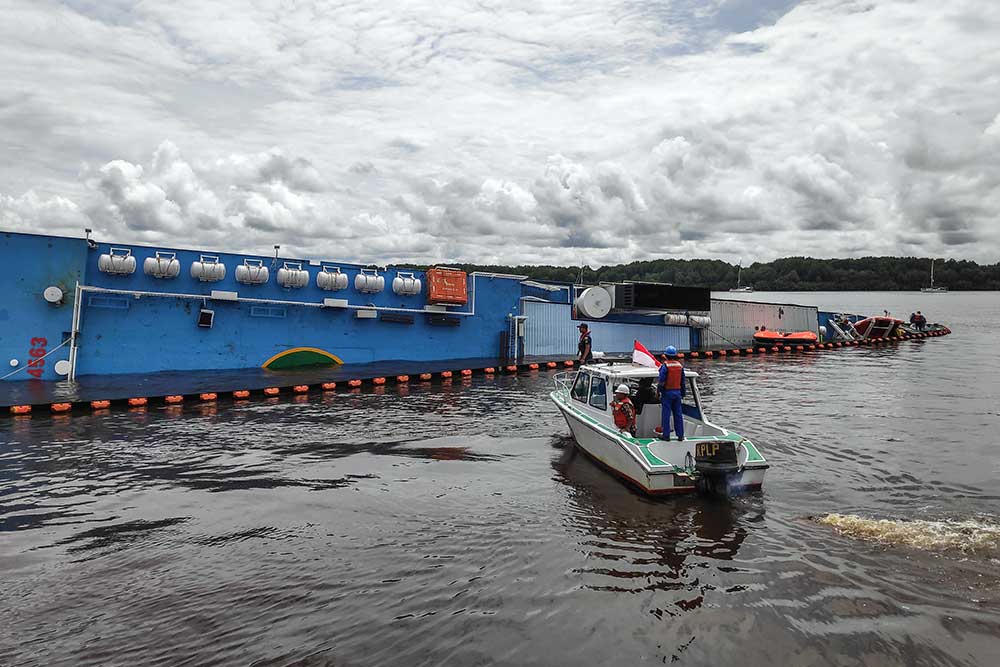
593,391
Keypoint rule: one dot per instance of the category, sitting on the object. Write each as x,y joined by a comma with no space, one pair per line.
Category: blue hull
142,324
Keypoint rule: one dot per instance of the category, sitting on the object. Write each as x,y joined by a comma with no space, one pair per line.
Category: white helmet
623,389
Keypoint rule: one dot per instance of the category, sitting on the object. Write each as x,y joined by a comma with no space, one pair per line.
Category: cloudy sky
507,130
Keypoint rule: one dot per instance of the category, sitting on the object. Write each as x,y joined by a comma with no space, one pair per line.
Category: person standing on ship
585,354
671,387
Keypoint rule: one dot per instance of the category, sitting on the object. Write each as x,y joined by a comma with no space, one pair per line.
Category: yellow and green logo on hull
301,357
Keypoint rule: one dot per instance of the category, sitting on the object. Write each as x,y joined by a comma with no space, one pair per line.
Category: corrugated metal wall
735,321
550,331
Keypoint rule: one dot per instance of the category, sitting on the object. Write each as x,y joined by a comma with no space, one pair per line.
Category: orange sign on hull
447,286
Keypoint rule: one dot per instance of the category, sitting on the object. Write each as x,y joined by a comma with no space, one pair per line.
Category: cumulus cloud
558,132
34,214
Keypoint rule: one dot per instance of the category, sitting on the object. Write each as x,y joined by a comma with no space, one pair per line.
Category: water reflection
644,544
453,523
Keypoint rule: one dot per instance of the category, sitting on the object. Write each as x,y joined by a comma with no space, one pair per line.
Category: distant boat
932,288
740,287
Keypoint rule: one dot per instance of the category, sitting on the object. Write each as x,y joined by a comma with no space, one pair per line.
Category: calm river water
457,524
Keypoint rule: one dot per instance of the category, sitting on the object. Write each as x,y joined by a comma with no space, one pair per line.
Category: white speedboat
709,458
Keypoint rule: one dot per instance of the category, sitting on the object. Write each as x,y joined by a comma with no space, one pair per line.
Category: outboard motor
716,461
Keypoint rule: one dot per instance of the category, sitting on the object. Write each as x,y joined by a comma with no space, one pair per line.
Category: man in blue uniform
671,387
585,354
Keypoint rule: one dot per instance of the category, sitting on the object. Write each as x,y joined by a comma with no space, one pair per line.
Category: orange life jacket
675,375
624,413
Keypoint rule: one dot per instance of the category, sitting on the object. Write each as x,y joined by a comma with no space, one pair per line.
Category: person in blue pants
671,387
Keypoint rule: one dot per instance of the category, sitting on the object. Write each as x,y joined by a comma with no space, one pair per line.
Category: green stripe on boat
753,456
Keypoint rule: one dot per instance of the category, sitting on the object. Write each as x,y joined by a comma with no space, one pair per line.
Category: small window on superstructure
581,387
599,394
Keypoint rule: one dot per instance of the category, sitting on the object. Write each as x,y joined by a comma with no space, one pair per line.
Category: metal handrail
564,381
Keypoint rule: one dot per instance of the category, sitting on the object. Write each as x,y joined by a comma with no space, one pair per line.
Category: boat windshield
598,393
581,387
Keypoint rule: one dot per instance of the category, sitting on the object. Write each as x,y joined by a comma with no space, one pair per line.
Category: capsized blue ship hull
129,320
138,323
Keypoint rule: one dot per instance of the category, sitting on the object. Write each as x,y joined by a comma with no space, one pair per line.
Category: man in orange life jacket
671,392
623,410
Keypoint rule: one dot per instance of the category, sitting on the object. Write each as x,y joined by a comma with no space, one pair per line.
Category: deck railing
564,381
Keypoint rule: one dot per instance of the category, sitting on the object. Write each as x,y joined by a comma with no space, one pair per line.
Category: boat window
599,394
581,387
689,404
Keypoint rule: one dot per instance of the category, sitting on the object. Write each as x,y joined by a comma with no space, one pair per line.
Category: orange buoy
241,393
551,364
402,378
138,401
175,398
100,405
491,370
20,409
61,407
568,362
354,383
300,388
446,374
271,391
786,348
208,396
378,381
680,355
425,376
693,355
709,354
722,353
511,369
533,367
468,371
749,350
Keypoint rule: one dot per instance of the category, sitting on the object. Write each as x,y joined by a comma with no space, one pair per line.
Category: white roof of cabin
631,371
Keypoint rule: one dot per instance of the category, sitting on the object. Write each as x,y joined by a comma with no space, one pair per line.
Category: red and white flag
642,356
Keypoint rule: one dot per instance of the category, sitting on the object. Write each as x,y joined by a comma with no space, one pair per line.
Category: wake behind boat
711,457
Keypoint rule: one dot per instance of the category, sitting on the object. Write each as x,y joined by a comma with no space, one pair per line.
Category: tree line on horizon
785,274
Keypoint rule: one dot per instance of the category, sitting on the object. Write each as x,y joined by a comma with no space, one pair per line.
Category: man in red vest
671,392
623,410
